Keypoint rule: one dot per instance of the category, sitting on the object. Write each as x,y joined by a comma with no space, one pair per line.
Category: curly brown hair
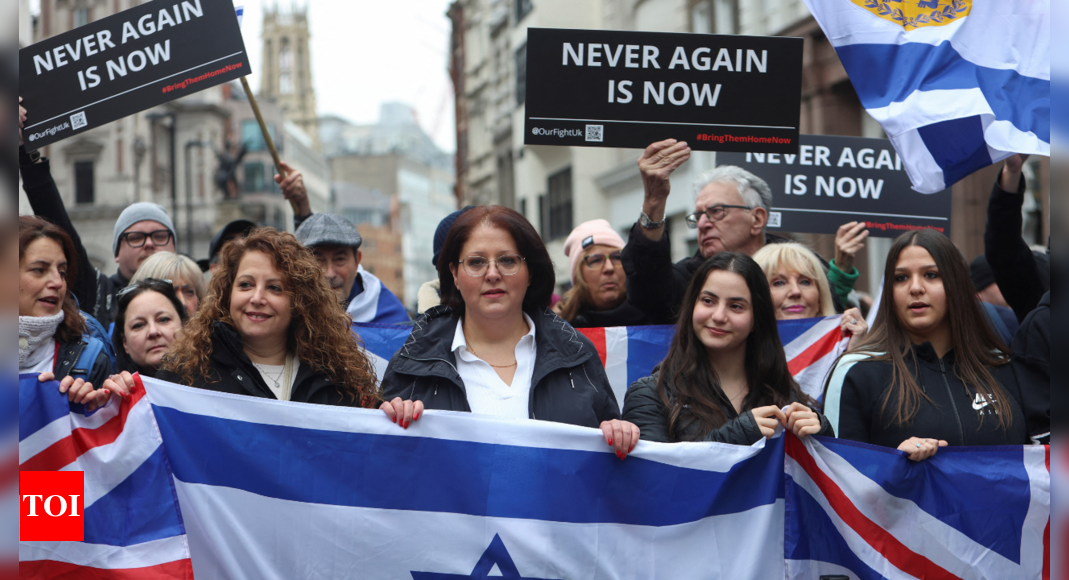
314,307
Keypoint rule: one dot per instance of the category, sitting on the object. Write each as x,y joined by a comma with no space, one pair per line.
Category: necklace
263,371
472,351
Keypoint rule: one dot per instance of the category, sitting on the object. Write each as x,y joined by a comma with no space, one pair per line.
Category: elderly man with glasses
730,213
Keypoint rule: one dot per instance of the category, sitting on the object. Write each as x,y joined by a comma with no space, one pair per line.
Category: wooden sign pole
267,135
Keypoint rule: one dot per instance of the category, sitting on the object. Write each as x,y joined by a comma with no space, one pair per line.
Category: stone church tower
287,69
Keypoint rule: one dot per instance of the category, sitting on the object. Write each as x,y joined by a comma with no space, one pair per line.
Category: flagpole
266,134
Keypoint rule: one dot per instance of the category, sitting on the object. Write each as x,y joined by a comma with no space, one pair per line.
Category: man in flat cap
335,242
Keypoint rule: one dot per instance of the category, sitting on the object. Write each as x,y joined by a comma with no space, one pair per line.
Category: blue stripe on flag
382,339
437,475
811,535
38,405
888,73
958,146
646,348
140,509
792,329
951,489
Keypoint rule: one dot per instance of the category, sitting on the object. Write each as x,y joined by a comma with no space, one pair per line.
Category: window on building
523,207
523,8
560,204
521,75
285,70
255,177
81,17
83,182
725,16
253,138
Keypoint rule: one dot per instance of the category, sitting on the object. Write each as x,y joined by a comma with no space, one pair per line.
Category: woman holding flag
725,377
493,346
932,373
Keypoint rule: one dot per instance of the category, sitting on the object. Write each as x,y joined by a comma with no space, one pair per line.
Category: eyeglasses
715,214
137,239
595,261
508,265
149,283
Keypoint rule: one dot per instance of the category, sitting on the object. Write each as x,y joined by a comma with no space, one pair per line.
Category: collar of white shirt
460,343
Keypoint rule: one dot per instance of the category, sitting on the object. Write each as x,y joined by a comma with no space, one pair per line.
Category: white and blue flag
956,84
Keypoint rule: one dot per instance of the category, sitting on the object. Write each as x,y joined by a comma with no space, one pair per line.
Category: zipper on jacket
950,393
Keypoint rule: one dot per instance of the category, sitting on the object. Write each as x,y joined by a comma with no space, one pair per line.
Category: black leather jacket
569,384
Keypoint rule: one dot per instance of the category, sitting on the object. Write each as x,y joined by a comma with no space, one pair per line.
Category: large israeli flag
956,84
277,490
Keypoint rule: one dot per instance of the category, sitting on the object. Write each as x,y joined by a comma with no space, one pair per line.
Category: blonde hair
173,267
796,257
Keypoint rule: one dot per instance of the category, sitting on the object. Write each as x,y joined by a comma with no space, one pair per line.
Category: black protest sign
126,63
834,180
607,88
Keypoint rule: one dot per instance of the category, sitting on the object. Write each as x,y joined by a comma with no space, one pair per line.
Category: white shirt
487,393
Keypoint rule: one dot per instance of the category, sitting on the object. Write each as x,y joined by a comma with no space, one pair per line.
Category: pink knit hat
591,233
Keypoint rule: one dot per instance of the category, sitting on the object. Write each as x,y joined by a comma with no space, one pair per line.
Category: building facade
286,78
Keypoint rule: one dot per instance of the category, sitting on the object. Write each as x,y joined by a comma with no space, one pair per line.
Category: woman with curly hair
270,327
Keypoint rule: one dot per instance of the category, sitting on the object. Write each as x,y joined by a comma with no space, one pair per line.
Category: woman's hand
848,240
621,435
121,384
403,412
768,418
801,420
921,449
854,324
79,392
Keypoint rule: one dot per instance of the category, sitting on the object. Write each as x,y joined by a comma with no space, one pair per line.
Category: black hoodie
569,384
1031,361
854,403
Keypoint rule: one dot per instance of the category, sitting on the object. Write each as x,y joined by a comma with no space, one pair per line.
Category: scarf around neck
35,338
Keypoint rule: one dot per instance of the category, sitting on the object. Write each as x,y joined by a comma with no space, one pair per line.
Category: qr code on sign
775,219
78,121
595,133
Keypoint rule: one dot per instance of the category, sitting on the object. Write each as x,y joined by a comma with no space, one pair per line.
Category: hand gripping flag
630,353
956,84
867,512
133,527
278,490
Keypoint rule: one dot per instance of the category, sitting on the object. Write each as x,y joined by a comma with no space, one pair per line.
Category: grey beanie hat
139,212
326,228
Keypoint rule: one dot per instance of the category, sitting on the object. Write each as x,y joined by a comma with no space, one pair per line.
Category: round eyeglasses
508,265
715,214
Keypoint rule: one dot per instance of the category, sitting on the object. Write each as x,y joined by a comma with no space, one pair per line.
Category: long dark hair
976,346
123,362
528,244
688,384
33,228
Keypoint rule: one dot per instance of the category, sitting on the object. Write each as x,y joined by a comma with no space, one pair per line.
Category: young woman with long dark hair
931,373
725,377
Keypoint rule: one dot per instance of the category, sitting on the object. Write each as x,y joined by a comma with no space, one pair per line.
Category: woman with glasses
598,296
493,347
188,279
271,327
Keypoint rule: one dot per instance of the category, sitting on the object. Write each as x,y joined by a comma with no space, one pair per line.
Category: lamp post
153,117
189,194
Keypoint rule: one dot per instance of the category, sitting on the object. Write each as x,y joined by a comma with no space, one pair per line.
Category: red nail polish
610,441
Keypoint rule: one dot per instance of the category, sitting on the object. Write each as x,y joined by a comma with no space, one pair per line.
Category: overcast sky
365,53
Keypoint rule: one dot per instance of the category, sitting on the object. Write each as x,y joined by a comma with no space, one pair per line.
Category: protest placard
128,62
608,88
834,180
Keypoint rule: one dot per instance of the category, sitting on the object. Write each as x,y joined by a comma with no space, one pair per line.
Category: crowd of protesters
958,354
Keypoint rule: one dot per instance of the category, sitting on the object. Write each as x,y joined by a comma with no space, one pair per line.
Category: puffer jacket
644,408
569,384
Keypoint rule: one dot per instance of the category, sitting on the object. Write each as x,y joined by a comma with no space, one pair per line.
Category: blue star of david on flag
496,553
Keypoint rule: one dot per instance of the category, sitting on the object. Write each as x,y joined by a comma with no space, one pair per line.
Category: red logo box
53,506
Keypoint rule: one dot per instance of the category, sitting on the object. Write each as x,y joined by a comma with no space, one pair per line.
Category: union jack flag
133,527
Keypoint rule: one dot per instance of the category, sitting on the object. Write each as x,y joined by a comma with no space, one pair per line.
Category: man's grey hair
753,189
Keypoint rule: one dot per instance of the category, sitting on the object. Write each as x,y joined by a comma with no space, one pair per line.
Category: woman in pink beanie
598,296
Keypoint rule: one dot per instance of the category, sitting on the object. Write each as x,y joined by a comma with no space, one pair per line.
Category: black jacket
1031,361
625,314
855,398
95,291
569,384
68,358
644,408
233,372
656,286
1020,275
